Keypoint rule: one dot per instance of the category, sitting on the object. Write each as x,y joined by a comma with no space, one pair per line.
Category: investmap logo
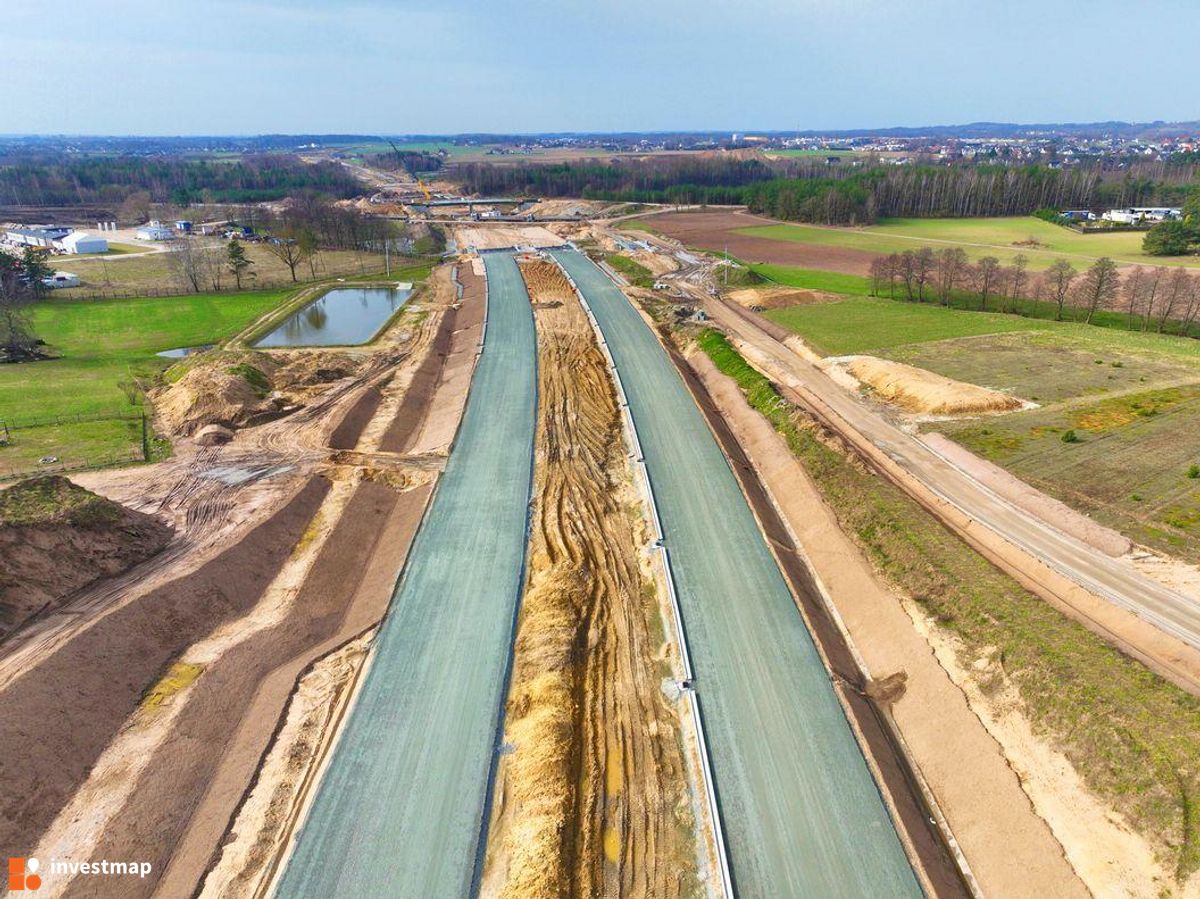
23,874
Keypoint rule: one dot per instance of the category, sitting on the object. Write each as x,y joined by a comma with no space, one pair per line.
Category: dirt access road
1146,619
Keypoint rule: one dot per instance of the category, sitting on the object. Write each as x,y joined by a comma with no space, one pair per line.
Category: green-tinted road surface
801,812
399,810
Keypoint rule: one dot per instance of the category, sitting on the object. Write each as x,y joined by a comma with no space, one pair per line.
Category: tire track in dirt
593,799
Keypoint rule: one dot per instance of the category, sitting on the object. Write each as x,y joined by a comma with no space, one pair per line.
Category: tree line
104,180
810,191
1161,299
296,235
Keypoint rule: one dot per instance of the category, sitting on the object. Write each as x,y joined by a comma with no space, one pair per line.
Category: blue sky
445,66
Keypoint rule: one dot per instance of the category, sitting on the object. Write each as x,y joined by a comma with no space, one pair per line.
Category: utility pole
726,265
387,254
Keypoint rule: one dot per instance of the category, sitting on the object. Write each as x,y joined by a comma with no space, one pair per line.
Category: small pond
184,351
343,317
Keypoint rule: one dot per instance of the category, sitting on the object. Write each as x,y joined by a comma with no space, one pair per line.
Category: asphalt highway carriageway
801,812
400,807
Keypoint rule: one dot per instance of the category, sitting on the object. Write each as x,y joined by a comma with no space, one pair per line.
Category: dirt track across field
593,799
717,232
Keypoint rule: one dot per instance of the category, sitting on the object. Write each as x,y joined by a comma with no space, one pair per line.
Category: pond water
342,317
183,351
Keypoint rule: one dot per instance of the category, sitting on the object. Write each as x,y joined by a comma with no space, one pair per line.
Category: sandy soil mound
918,390
779,297
57,538
301,371
657,263
223,390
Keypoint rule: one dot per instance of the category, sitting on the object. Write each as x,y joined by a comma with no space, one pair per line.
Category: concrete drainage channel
687,682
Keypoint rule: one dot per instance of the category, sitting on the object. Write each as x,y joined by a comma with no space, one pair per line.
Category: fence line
17,424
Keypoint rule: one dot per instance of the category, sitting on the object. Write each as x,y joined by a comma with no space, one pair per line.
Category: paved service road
399,810
801,812
1101,574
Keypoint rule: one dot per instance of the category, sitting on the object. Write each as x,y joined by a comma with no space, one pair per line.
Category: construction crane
400,162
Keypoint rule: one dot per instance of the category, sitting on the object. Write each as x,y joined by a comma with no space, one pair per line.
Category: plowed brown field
717,232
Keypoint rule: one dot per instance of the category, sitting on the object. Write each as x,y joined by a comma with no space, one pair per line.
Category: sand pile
918,390
57,538
299,371
779,297
223,390
656,263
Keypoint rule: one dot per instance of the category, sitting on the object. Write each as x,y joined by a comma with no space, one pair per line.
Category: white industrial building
46,238
155,230
82,242
1132,215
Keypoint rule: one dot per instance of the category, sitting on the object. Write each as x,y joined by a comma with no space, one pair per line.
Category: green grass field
631,270
867,324
813,279
101,343
978,237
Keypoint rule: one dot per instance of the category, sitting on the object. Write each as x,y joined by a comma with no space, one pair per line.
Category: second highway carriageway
400,808
801,812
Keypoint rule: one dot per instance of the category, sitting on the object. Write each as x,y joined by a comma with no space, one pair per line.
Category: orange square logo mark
22,874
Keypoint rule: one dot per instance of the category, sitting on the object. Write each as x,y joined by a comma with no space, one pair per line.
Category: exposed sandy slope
917,390
57,538
779,297
592,800
1011,850
498,237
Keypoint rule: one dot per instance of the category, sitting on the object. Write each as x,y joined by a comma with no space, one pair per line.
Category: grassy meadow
97,344
1004,238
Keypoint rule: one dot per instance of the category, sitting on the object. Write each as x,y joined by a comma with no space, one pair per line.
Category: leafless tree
951,268
1191,300
1018,280
285,247
878,274
1151,289
185,261
1099,287
923,265
1132,289
1056,284
907,272
985,276
1175,293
